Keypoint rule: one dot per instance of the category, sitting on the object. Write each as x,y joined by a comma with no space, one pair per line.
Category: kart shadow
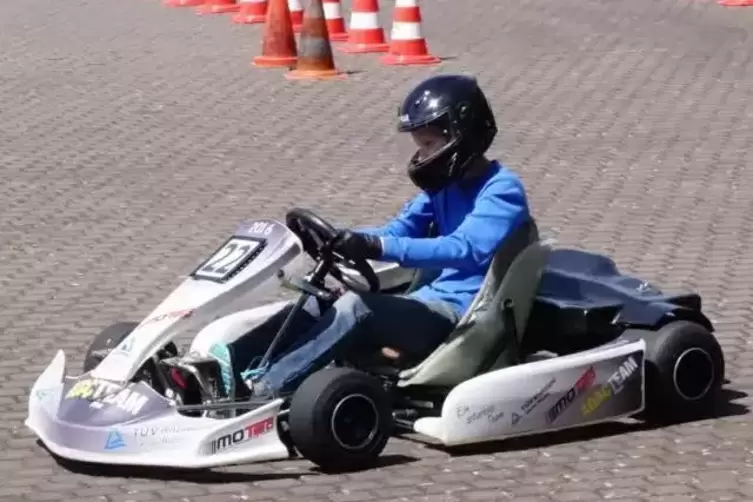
202,476
724,408
198,476
383,461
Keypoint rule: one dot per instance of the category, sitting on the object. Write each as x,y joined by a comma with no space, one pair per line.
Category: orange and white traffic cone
736,3
407,44
183,3
278,46
366,34
315,61
218,7
251,12
335,22
296,14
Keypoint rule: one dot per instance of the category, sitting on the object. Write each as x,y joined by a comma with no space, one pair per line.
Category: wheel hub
355,421
693,374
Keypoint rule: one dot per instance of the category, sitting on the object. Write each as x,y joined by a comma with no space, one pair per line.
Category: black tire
320,414
684,372
106,340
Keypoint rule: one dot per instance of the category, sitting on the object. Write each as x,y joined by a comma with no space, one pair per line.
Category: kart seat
514,274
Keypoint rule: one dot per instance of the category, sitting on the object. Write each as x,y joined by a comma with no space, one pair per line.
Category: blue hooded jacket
472,218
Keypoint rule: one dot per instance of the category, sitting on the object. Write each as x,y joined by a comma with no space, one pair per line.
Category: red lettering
586,379
168,315
259,428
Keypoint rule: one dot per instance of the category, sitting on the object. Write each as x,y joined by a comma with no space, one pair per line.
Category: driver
474,203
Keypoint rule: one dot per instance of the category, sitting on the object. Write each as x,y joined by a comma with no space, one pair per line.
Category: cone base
338,37
736,3
248,18
352,48
217,9
274,61
299,74
408,59
183,3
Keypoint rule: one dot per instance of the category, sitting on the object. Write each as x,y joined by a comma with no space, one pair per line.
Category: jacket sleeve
497,211
412,221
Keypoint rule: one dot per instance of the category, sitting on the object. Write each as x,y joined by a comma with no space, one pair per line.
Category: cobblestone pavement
133,137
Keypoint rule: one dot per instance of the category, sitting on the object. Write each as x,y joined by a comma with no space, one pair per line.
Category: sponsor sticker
490,412
114,441
126,346
613,386
178,314
42,394
585,381
164,435
101,392
260,228
532,402
242,435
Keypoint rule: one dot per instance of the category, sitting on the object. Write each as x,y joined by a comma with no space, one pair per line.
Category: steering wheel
317,236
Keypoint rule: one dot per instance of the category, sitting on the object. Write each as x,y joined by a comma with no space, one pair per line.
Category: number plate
231,257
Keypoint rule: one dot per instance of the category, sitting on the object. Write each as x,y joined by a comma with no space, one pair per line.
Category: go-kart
555,339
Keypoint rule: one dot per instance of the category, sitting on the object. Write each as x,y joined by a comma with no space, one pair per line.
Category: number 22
223,263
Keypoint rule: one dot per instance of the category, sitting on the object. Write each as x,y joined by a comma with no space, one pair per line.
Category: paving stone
134,137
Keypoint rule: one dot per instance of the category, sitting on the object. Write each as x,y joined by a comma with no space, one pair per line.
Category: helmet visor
426,141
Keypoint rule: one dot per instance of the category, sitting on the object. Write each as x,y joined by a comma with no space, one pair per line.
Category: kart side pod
557,393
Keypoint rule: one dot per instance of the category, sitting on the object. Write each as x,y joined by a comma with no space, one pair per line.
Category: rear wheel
340,419
684,372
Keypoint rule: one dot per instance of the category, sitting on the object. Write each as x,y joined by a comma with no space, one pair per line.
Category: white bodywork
204,301
515,401
169,439
166,437
83,426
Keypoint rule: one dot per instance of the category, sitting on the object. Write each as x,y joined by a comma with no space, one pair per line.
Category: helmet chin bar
437,172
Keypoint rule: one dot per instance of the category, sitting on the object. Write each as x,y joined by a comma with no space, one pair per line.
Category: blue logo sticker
127,345
42,394
114,441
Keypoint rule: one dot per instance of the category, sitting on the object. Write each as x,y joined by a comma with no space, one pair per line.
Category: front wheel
111,337
105,341
340,419
684,372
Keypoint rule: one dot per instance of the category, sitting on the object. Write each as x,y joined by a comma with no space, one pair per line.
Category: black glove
357,246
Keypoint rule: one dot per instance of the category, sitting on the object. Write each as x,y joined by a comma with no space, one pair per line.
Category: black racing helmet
456,106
